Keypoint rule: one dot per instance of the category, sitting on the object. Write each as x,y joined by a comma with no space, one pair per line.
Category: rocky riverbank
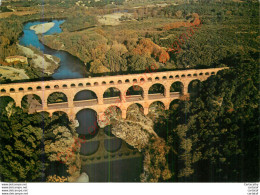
43,62
42,28
137,131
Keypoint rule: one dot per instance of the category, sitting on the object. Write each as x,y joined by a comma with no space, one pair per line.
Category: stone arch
65,86
29,88
134,91
60,117
12,90
156,105
72,85
135,106
85,95
104,83
56,86
174,104
156,90
21,89
194,86
150,79
38,88
31,102
5,100
111,92
119,82
87,127
176,88
88,84
80,85
127,81
111,82
213,73
57,97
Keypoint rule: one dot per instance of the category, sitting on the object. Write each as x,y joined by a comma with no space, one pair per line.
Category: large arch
60,117
57,97
85,95
194,87
31,102
134,92
4,101
88,127
157,90
111,92
154,106
176,88
174,104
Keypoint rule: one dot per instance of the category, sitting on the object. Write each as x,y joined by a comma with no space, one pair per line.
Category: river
127,170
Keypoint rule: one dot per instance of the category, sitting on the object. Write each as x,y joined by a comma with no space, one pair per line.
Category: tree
20,147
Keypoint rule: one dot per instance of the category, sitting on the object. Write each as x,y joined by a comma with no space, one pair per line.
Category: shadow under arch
194,87
134,92
87,120
57,97
85,95
156,105
174,104
176,88
156,91
111,92
60,117
31,101
4,101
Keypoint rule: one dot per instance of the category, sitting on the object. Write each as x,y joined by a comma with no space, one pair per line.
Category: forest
212,136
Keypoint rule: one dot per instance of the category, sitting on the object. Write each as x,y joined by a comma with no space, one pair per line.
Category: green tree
20,146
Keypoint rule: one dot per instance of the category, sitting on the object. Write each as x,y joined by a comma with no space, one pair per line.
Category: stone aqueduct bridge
99,85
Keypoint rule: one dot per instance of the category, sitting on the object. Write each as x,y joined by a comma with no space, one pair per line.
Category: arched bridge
141,84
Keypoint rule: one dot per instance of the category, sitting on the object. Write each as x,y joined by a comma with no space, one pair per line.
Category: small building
11,59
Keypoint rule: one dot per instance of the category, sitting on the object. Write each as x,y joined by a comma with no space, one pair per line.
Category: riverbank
48,64
42,28
13,74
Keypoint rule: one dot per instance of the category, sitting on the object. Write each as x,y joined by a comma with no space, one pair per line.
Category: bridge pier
146,110
124,113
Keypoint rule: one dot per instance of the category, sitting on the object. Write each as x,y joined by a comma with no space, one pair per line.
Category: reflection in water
87,122
88,148
113,145
127,170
